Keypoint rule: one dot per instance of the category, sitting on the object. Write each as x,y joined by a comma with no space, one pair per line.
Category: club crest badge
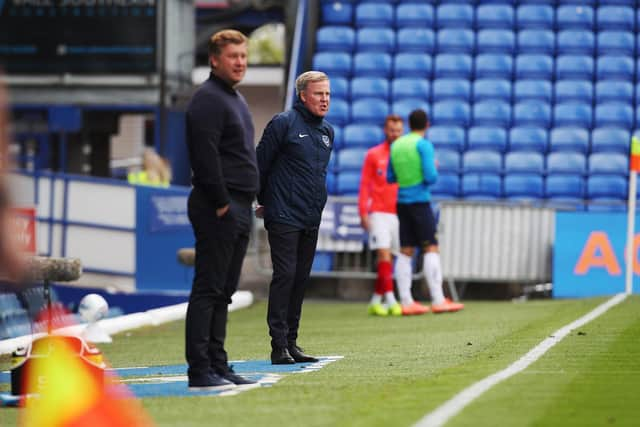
325,140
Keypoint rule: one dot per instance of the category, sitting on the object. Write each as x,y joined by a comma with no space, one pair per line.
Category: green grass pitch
396,370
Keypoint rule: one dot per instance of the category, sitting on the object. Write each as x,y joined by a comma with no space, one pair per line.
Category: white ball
93,307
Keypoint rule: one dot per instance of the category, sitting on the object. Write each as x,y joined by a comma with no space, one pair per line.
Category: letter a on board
597,253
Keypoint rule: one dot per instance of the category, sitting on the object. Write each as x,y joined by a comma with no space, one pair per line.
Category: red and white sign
24,223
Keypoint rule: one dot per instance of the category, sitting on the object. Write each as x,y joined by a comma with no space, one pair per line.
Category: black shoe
281,356
210,381
236,379
299,356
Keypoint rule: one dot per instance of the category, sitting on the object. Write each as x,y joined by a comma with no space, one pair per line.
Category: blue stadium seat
335,39
373,39
485,89
524,162
453,65
573,114
535,16
575,42
616,43
455,40
337,138
574,67
498,66
482,161
448,161
359,135
494,16
615,18
606,204
483,186
337,13
569,139
526,90
615,67
610,139
369,111
334,64
348,183
492,113
523,186
410,15
607,186
567,163
528,138
532,113
537,41
447,137
412,65
591,3
608,164
404,107
339,113
370,64
487,138
370,87
374,15
349,159
614,114
575,17
459,89
534,66
565,185
421,40
574,90
340,88
447,186
451,113
496,41
407,87
615,2
614,91
454,15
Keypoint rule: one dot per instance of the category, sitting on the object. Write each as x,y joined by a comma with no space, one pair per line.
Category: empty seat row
523,66
483,89
562,189
457,40
576,16
488,113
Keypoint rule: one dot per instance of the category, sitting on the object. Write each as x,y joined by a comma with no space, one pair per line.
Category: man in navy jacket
293,155
225,180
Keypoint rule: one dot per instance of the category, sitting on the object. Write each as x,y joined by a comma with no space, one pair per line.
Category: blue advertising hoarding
589,254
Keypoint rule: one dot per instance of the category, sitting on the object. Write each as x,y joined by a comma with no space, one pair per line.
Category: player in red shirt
377,206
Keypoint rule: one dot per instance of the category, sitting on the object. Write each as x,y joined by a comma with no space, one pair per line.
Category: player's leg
404,269
432,266
378,241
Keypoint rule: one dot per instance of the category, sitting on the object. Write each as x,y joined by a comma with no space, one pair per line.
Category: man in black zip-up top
292,157
225,181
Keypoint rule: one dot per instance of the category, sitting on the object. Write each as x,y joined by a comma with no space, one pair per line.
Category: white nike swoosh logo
302,135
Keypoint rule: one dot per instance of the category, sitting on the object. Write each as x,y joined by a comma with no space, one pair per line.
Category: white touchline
453,406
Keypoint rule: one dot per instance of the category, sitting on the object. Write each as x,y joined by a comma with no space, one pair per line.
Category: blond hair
309,77
225,37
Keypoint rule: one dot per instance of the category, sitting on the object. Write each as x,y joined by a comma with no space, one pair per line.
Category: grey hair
309,77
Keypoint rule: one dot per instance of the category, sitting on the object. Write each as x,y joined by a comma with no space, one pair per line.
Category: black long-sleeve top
220,142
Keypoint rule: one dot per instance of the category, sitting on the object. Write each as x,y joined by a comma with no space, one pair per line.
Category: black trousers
292,252
221,244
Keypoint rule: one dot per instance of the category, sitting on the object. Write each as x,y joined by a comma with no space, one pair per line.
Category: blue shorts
417,225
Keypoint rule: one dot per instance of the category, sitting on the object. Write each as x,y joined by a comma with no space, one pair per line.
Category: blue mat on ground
171,380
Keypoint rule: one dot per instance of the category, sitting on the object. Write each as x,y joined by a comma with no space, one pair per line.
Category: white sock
403,279
390,298
376,299
433,274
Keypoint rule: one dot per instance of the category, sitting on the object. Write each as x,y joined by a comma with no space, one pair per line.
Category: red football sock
385,277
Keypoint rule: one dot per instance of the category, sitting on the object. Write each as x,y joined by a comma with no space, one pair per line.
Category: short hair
392,118
309,77
418,119
225,37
